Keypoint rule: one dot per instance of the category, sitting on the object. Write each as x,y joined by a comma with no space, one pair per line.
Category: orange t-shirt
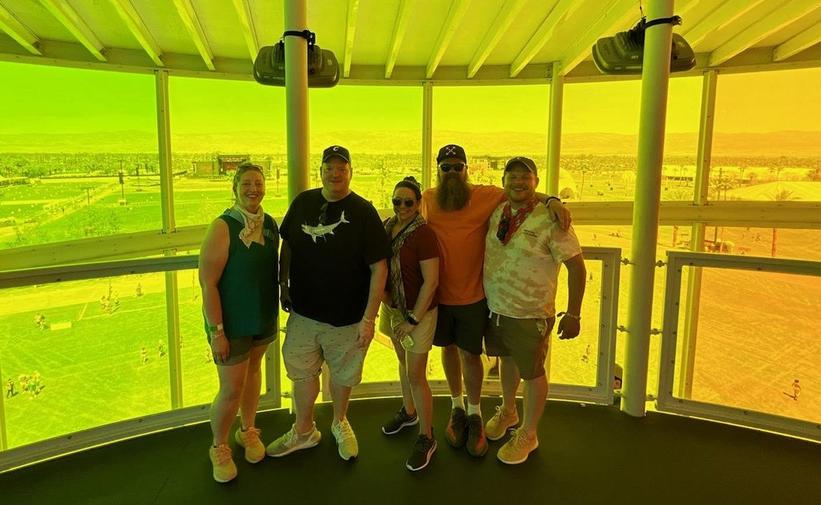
461,235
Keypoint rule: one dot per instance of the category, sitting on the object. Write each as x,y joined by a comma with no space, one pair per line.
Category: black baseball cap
521,160
337,151
451,151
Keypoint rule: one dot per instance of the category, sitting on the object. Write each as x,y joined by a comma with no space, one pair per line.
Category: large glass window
216,125
78,154
493,124
600,127
767,139
382,128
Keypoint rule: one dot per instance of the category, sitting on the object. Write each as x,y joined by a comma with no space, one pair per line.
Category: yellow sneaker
498,425
345,439
292,441
224,468
518,448
249,439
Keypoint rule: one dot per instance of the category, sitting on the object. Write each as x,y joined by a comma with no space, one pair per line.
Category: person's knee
416,376
231,392
469,358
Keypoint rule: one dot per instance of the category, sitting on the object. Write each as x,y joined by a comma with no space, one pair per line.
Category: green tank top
249,286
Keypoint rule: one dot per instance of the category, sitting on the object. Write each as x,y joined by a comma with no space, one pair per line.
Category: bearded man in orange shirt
458,213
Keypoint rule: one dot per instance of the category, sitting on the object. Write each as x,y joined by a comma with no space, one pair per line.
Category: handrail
152,242
676,260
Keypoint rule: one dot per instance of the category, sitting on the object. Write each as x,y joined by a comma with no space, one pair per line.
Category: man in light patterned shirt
524,250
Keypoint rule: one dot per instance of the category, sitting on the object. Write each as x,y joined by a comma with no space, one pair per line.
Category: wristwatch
412,319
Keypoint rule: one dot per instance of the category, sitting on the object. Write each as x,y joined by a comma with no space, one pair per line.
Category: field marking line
82,312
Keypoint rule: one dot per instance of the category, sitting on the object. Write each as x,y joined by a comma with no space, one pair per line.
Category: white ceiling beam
561,10
455,15
611,19
135,24
800,42
350,34
766,26
192,25
718,19
246,21
494,34
399,28
68,17
16,30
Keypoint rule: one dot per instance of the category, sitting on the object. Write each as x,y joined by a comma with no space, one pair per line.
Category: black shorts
463,325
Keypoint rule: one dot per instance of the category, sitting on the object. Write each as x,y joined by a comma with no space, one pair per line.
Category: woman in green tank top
239,279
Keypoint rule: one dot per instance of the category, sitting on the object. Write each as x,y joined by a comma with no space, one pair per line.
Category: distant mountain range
787,143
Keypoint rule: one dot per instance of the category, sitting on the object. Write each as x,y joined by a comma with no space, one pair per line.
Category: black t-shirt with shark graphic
330,261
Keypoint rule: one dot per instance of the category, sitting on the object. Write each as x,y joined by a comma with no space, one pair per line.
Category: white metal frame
601,393
667,401
176,416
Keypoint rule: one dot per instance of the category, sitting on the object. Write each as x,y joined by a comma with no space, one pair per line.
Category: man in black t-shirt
332,276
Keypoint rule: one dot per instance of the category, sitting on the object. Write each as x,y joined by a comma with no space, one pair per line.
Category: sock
458,401
474,409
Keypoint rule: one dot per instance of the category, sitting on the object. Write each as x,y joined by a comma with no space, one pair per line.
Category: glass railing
92,353
752,356
580,369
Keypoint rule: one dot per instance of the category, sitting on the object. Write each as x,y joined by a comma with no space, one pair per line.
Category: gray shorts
525,340
309,343
239,349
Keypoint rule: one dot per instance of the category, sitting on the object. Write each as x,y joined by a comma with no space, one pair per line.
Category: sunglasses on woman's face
447,167
398,201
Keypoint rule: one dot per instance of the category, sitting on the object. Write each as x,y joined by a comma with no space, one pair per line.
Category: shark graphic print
324,229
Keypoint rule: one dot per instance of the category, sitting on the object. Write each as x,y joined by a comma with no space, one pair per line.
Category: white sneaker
345,439
292,441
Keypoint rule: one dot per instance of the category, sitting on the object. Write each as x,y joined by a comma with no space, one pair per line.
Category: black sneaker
457,431
477,442
423,451
400,420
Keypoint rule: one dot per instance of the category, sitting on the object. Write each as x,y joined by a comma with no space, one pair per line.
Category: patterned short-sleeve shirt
520,277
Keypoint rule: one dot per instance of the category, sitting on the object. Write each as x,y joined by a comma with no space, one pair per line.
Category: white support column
554,129
172,312
705,150
654,83
296,98
427,134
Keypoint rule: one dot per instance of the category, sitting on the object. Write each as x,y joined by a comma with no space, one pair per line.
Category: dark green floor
588,455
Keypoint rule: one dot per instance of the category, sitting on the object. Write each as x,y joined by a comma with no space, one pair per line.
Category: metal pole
700,194
427,134
172,313
554,129
296,98
654,82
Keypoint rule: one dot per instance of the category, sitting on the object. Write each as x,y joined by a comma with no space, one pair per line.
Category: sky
43,99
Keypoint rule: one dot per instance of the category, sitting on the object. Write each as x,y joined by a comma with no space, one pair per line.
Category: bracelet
412,319
547,202
368,320
571,316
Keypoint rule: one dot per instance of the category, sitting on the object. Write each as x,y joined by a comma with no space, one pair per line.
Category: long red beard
453,193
